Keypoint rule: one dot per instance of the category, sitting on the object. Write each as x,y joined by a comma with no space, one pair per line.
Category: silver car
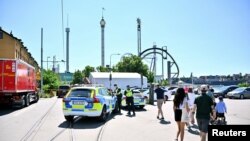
241,92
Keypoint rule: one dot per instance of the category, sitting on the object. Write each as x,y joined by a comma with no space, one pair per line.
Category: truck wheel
103,116
27,100
23,101
36,97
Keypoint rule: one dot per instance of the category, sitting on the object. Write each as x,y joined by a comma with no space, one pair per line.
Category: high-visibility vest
129,93
116,91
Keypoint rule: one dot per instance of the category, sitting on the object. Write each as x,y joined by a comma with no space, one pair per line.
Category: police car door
108,99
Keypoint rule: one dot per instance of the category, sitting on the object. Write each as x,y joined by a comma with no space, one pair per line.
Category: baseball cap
204,87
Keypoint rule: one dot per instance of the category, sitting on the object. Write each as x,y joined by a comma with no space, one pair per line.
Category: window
1,34
64,87
80,93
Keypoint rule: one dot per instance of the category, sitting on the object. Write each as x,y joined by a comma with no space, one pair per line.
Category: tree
50,80
87,70
150,77
132,64
77,77
102,69
244,84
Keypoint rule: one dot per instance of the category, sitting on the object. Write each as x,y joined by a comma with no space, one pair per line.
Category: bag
184,115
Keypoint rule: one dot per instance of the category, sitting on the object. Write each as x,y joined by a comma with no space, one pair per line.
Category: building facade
13,48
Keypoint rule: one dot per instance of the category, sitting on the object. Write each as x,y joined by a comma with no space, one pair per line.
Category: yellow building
12,48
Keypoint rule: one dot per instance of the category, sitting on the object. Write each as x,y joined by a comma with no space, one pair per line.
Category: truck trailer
17,83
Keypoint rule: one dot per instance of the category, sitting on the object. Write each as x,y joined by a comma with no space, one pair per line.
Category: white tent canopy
122,79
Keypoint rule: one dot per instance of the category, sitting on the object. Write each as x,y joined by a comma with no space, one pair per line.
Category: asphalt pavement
146,127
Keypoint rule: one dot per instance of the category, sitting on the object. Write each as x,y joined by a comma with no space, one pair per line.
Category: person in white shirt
191,98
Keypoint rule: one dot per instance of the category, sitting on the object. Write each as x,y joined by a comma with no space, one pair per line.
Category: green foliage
50,80
132,64
102,69
164,83
150,77
87,70
77,77
244,84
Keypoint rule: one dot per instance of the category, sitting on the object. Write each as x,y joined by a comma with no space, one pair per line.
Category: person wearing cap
130,100
202,106
119,97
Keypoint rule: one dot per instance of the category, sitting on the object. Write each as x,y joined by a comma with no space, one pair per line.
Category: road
44,121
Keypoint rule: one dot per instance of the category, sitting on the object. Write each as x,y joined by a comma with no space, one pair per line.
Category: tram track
37,125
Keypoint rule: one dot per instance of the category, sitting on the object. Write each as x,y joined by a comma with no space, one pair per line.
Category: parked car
222,91
62,90
89,101
166,93
241,92
139,99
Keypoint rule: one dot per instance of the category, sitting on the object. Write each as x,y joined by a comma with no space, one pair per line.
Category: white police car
139,99
90,101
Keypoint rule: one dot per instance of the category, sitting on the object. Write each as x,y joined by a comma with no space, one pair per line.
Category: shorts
159,103
177,114
203,124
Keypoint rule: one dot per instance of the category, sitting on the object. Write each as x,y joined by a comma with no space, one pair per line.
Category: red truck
17,83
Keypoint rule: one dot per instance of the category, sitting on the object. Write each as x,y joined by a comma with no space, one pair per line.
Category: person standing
221,109
181,110
191,98
160,100
119,97
130,100
202,106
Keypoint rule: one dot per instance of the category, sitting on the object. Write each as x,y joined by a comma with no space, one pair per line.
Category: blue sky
206,37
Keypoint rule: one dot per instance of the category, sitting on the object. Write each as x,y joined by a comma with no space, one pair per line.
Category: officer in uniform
130,100
119,97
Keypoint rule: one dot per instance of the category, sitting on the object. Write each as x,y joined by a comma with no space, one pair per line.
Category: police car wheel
141,106
103,116
69,118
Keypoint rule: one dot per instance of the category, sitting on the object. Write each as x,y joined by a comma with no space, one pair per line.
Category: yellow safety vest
129,93
116,91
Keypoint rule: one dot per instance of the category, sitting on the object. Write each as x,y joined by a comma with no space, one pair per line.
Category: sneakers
159,117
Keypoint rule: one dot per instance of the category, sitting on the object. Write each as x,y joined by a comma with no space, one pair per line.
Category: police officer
119,97
130,100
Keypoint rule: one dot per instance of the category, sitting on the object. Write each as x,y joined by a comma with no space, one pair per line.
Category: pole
41,61
110,75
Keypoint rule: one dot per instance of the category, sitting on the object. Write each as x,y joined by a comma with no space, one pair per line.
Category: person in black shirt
160,100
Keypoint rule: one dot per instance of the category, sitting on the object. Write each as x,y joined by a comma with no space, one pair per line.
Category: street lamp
47,61
110,77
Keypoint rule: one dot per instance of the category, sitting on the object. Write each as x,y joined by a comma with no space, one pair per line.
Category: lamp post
47,61
110,76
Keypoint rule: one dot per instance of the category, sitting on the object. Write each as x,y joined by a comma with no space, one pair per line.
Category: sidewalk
146,127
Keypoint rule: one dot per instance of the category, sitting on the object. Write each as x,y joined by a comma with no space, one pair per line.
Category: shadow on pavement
86,122
7,109
195,132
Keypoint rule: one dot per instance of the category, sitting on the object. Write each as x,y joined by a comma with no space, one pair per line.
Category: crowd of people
185,106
